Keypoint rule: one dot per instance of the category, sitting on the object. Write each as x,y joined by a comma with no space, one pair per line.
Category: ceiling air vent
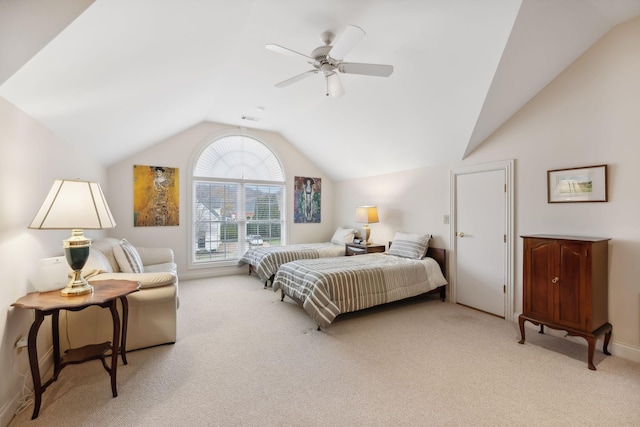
251,119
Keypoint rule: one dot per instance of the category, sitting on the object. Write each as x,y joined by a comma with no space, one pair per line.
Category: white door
480,240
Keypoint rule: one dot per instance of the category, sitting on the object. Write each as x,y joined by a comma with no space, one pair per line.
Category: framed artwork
587,184
306,195
156,201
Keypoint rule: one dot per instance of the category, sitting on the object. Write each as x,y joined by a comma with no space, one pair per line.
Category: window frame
242,185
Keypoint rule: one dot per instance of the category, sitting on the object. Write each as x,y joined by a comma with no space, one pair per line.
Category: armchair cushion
146,280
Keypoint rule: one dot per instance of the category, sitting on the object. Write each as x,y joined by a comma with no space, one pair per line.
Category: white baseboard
9,408
625,351
217,272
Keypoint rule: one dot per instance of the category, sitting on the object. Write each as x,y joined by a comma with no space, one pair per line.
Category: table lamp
75,205
367,215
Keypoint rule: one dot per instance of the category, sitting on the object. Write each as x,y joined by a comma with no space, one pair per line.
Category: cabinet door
570,299
538,274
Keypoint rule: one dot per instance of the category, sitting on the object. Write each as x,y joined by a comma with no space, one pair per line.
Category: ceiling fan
327,60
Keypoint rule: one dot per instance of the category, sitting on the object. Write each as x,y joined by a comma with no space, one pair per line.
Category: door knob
555,280
461,234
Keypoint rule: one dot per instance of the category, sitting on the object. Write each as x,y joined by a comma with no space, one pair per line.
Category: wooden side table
358,249
106,294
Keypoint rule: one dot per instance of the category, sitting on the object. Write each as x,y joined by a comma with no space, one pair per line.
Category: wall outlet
445,219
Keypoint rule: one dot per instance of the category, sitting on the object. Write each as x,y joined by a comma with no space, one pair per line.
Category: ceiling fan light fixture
334,86
327,69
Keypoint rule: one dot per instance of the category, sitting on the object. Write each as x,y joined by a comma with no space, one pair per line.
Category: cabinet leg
607,337
591,341
541,331
521,324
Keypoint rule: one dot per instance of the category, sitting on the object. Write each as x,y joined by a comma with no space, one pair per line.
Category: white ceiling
127,74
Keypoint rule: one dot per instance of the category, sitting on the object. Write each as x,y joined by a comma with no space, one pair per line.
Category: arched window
238,199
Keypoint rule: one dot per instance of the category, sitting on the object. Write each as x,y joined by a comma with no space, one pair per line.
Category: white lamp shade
74,205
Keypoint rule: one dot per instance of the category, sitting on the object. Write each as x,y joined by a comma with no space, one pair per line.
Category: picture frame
575,185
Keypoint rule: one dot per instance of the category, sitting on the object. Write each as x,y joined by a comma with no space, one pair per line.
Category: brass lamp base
76,286
366,231
76,250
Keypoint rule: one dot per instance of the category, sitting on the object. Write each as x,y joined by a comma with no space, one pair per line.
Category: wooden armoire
565,286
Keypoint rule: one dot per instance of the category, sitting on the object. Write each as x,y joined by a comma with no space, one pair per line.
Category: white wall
587,116
32,157
178,152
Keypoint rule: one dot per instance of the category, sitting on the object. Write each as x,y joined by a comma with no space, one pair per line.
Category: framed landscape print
587,184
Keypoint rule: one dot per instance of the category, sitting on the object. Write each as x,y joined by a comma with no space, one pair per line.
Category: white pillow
128,257
96,264
409,245
343,235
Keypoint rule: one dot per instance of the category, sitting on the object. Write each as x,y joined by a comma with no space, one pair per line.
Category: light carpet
244,358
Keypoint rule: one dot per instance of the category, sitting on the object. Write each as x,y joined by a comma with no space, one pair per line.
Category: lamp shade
74,205
367,214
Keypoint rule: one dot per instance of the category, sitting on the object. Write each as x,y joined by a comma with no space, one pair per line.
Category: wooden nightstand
357,249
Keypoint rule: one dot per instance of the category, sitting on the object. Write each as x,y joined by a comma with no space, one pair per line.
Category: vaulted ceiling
124,75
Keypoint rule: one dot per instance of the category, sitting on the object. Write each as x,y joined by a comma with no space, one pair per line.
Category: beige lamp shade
367,214
74,204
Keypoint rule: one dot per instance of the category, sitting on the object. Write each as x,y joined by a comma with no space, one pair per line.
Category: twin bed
327,287
266,260
326,283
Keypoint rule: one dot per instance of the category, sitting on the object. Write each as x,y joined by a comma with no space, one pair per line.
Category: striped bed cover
328,287
266,260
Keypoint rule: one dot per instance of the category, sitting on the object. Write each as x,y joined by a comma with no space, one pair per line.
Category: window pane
238,157
215,225
264,219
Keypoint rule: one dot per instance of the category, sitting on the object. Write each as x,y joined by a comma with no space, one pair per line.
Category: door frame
508,167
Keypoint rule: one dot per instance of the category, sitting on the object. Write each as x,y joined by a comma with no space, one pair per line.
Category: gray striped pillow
128,257
409,245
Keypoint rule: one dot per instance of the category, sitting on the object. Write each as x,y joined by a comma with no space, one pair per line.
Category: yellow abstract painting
156,200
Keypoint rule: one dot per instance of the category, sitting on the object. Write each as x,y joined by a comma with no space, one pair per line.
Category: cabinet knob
555,280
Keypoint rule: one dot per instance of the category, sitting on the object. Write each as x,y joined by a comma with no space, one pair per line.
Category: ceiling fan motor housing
323,61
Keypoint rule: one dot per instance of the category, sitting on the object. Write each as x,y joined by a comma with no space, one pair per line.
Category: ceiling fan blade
283,50
366,69
296,78
334,87
349,38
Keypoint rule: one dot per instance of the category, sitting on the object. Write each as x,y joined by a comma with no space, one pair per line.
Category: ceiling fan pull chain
326,80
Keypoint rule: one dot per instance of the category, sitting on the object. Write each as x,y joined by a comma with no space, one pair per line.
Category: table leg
55,331
115,345
125,322
33,362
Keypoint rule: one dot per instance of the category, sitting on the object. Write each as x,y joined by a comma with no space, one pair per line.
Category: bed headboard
440,255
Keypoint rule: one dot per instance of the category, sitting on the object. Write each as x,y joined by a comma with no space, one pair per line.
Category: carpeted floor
244,358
